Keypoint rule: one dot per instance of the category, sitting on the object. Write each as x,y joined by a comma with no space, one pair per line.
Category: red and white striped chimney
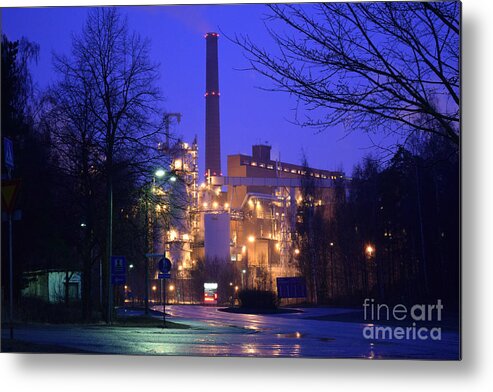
212,130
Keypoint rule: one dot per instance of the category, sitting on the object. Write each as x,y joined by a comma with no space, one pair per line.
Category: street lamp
243,272
369,250
160,173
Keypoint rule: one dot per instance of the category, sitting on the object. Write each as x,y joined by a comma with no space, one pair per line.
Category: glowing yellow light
278,245
243,249
369,250
186,237
251,238
185,145
236,288
172,235
126,287
154,288
178,164
296,251
250,203
218,191
226,205
202,185
180,268
171,288
205,205
215,205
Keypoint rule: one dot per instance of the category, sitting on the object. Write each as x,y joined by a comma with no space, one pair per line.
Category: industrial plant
237,227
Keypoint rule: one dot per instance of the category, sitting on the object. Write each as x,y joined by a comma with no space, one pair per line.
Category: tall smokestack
212,131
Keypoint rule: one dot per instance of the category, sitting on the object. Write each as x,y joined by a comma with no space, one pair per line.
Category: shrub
258,299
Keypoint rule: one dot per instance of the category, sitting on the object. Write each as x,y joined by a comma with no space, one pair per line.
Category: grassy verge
146,321
19,346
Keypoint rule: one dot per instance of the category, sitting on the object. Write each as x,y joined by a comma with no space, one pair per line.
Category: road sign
8,151
118,270
292,287
164,276
164,265
10,190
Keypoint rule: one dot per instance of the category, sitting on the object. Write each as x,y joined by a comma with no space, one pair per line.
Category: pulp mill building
242,221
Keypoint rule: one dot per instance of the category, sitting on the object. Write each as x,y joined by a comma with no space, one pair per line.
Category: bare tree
377,66
106,107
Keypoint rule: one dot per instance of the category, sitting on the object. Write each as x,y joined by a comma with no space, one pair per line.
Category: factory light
178,164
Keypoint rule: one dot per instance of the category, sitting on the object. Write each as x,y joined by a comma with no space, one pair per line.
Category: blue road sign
8,152
292,287
164,265
164,276
118,270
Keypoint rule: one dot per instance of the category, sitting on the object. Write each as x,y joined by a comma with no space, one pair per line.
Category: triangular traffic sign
9,194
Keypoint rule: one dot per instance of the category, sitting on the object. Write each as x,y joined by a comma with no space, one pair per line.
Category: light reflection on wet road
217,333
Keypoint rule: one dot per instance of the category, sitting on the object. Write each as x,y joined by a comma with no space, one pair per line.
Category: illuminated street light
154,288
369,250
296,251
159,173
251,238
171,288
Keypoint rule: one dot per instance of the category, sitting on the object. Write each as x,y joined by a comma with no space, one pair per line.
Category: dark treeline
85,153
394,234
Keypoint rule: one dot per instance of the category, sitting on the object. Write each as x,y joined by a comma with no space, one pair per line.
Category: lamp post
370,253
332,269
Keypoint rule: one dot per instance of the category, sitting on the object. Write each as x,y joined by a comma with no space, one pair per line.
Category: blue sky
249,115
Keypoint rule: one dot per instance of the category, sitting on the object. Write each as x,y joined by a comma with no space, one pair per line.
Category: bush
38,310
258,299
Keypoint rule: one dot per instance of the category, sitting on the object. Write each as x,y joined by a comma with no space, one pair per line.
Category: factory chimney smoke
212,130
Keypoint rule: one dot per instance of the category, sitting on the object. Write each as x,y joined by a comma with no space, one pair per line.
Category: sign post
165,267
118,267
9,195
